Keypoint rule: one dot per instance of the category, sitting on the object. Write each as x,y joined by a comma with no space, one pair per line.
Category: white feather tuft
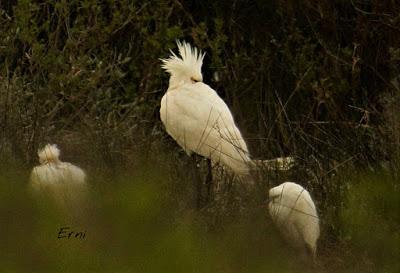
50,153
187,65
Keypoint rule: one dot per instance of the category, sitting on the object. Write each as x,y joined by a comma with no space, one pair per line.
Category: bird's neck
176,82
50,162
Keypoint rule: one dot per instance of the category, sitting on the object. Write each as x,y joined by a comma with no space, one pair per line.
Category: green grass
135,224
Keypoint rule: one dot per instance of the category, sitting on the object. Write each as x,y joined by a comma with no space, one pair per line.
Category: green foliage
290,75
131,225
372,222
136,222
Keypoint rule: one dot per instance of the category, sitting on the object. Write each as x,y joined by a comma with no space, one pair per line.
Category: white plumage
197,118
295,215
62,181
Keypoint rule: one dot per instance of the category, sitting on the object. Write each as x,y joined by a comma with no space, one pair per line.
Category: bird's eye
193,80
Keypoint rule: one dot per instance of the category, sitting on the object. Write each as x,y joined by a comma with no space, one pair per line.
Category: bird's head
49,154
185,68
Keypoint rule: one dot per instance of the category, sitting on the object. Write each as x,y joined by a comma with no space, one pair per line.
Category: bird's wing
72,174
200,121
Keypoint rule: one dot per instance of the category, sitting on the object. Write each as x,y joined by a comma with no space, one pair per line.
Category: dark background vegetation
318,80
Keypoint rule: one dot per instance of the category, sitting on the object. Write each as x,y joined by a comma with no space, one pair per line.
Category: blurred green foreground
139,223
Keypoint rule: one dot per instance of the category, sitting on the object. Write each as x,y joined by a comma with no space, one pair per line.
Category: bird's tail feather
280,163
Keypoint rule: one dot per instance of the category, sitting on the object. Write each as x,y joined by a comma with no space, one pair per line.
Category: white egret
61,181
199,120
293,211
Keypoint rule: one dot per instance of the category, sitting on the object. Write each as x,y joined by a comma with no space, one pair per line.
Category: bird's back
200,121
62,182
293,209
57,174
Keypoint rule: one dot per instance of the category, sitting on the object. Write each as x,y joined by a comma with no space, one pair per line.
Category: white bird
198,119
294,213
61,181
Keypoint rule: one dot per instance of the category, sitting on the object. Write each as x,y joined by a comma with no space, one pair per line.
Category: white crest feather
50,153
188,63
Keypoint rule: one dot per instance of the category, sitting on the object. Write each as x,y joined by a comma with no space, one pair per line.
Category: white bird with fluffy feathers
63,182
199,120
293,211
